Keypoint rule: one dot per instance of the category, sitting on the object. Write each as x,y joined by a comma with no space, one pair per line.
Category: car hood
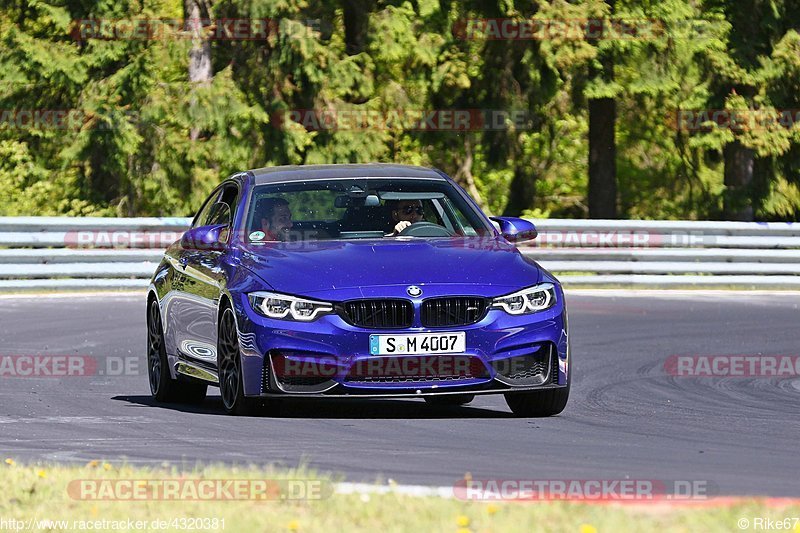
490,266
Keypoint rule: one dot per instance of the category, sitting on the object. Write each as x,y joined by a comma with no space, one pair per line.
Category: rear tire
450,399
162,387
537,404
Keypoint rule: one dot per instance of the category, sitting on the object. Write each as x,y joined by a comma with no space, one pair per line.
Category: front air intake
452,311
378,313
533,368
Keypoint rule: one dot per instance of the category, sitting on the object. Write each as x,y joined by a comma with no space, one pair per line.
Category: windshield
361,208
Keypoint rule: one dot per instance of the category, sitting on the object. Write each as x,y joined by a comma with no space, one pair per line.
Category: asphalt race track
627,417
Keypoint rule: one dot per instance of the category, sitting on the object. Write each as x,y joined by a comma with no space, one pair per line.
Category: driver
276,218
404,213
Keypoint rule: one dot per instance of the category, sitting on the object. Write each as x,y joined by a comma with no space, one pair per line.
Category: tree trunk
197,15
521,193
464,177
739,168
602,158
602,143
356,25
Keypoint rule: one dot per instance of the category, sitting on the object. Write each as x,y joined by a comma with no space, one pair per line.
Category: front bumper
504,353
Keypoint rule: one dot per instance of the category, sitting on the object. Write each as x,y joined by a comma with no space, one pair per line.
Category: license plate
419,343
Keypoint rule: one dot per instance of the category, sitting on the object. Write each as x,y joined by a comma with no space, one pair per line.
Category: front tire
537,404
162,387
229,360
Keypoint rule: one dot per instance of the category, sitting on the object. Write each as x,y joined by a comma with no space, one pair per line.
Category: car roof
323,172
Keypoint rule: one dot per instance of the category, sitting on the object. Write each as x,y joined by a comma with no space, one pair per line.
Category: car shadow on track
333,408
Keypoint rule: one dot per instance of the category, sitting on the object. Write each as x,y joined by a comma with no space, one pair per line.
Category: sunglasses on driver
411,208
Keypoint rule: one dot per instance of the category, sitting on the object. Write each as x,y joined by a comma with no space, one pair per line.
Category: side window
460,224
220,214
441,216
228,197
219,207
202,217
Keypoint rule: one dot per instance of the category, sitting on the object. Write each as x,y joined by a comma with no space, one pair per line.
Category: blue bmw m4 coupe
354,281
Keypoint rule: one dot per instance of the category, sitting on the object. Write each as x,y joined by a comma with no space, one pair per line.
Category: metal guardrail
662,253
54,253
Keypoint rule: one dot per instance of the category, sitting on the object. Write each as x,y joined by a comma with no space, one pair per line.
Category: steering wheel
425,229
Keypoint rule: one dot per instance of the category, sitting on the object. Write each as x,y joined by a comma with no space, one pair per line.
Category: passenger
276,218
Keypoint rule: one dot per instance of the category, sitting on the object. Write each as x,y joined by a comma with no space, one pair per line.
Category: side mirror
205,238
516,229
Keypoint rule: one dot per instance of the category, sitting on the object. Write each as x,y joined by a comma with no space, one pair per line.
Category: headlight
530,300
283,306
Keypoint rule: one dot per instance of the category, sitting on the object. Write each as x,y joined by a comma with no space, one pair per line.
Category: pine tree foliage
107,125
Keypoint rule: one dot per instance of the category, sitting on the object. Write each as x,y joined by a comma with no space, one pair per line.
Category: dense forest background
607,109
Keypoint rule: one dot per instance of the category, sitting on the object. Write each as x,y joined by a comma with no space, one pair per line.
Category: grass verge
36,497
